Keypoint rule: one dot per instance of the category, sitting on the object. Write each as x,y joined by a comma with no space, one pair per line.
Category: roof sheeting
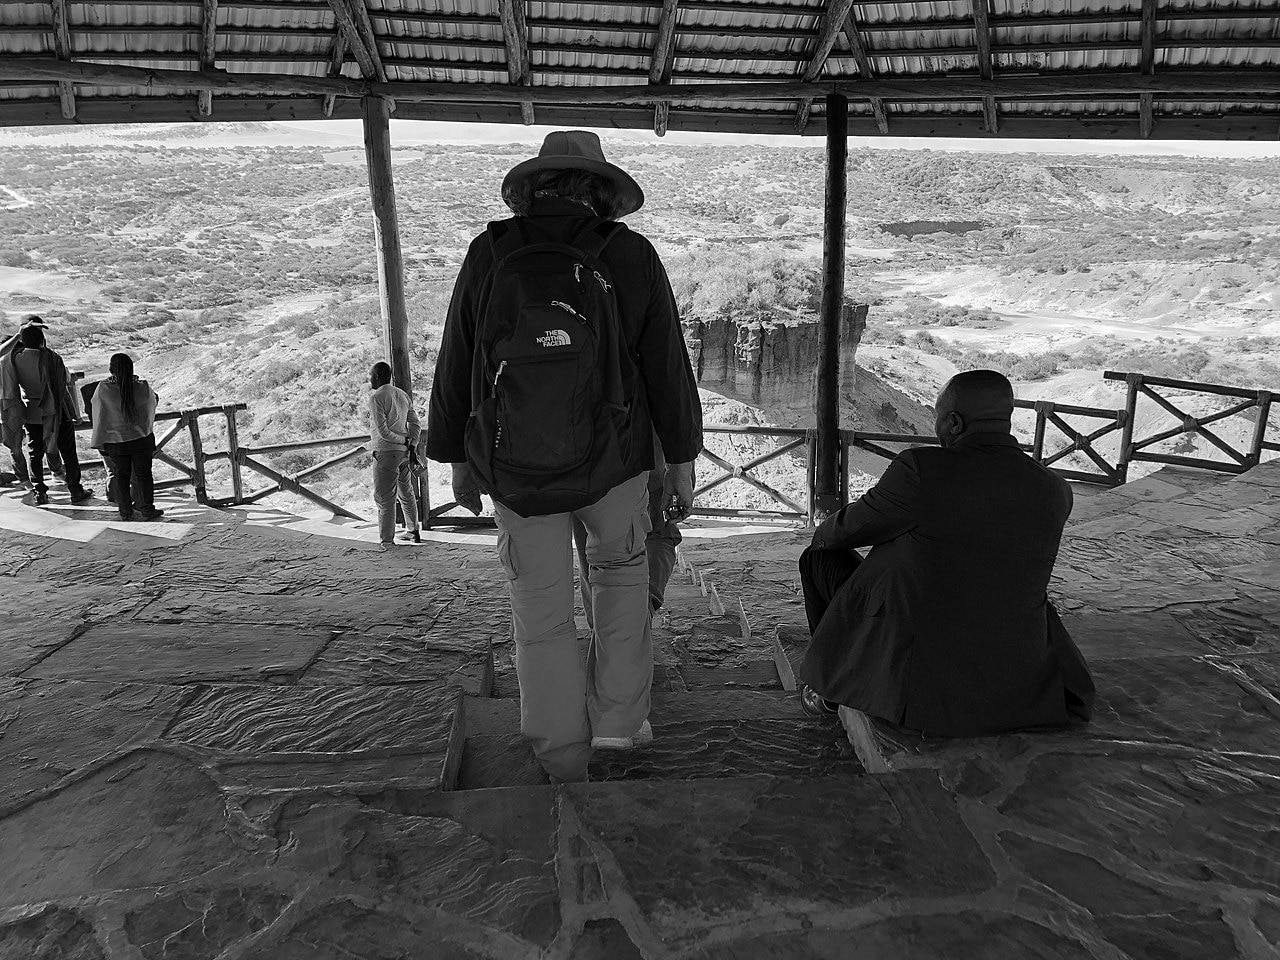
1233,46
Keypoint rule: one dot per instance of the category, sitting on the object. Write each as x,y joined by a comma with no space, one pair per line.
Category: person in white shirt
393,429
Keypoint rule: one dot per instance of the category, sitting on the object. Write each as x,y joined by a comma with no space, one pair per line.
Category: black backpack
552,377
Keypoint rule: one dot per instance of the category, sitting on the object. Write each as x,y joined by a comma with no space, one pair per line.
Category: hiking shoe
151,513
80,495
410,536
641,736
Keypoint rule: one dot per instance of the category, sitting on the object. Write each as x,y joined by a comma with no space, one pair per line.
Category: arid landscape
236,263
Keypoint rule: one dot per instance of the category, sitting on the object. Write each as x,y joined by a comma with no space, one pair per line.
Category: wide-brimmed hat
578,150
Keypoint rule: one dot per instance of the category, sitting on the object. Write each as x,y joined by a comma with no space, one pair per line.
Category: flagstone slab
1105,636
1201,820
28,636
49,933
146,819
486,858
705,748
365,658
1176,700
184,653
1265,573
702,857
1239,627
971,934
357,773
50,729
344,931
197,924
262,719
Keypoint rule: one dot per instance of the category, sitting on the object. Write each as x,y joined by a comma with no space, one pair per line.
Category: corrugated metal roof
919,50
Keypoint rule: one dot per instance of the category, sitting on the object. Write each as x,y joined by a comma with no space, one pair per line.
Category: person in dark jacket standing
569,708
124,413
945,627
36,394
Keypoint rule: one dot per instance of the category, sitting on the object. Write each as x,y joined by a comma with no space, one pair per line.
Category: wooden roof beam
62,50
208,52
660,64
336,60
1193,84
515,33
858,46
351,35
833,21
982,39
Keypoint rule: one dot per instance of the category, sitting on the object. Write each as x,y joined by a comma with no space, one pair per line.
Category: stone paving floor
246,736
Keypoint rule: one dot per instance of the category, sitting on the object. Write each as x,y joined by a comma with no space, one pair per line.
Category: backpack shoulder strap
597,234
506,237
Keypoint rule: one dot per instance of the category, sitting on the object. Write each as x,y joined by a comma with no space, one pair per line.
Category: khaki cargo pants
564,701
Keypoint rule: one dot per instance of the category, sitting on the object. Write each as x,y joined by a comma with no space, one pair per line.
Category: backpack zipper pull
603,282
501,367
577,273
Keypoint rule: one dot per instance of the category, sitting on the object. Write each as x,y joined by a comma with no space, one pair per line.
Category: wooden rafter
858,46
62,50
662,61
336,60
833,21
1146,115
515,35
1260,85
1148,62
982,39
208,52
350,31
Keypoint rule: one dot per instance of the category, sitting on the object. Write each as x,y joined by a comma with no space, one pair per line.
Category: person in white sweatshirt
393,429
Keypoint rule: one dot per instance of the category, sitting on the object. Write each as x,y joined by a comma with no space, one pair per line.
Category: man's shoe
815,705
410,536
80,495
641,736
151,513
41,498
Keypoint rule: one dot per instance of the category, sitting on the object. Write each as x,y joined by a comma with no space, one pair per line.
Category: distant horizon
418,132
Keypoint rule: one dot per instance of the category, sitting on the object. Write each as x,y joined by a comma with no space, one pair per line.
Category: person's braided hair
121,368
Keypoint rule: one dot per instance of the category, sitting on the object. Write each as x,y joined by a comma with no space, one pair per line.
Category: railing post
233,452
1042,408
197,455
1133,380
1260,427
810,447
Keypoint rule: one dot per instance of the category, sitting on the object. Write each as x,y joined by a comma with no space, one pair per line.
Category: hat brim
630,196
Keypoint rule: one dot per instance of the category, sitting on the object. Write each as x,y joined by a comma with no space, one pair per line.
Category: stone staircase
250,737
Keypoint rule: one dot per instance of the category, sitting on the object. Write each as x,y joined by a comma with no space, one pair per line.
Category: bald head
976,401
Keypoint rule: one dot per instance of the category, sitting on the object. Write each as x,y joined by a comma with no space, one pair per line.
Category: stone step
697,735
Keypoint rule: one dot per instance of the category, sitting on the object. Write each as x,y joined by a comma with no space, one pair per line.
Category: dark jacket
946,626
667,402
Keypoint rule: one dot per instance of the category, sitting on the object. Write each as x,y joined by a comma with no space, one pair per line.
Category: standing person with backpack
562,357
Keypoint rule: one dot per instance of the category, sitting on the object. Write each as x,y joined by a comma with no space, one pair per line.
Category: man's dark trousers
66,448
822,574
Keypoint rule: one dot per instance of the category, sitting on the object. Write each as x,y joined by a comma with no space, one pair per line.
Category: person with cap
36,395
569,708
393,429
945,626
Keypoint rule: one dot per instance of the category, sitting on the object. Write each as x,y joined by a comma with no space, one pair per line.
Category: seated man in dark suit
946,627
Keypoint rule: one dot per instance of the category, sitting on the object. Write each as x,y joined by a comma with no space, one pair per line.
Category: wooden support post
1134,382
1147,61
197,457
208,53
664,47
386,230
336,60
1260,427
233,451
515,34
62,49
826,468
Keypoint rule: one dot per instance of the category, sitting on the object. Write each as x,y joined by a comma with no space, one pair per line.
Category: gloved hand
465,489
677,490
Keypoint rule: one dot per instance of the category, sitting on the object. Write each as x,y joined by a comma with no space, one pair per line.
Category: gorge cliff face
769,363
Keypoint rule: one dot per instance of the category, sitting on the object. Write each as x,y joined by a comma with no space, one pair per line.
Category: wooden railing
1065,438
